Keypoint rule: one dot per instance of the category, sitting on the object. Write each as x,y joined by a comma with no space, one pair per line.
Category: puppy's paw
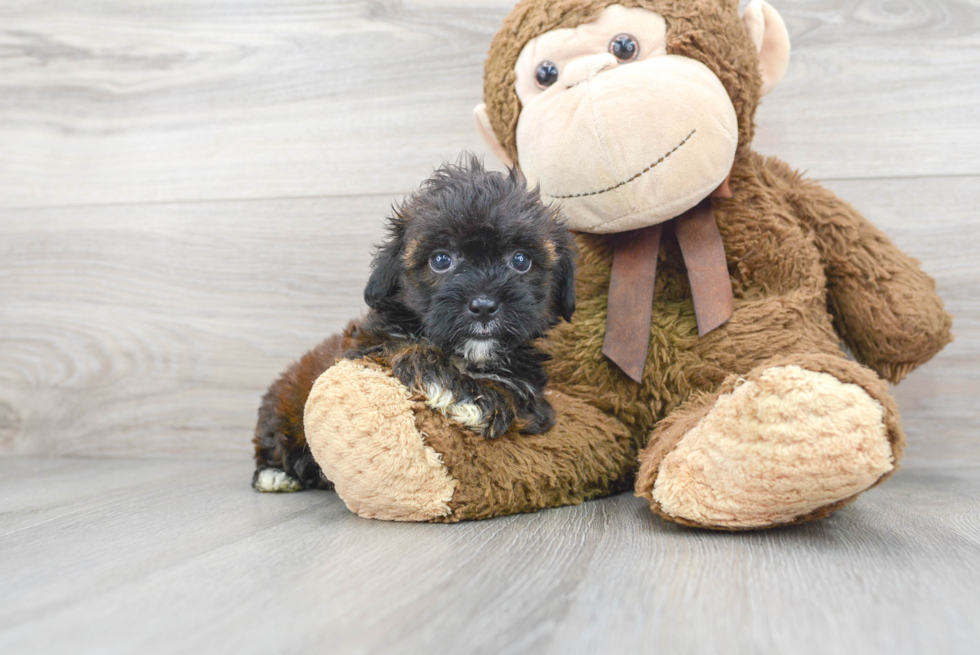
469,415
443,401
439,398
486,414
498,421
540,420
275,481
491,422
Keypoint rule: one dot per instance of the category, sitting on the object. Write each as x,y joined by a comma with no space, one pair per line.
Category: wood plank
877,89
154,329
116,102
151,101
167,556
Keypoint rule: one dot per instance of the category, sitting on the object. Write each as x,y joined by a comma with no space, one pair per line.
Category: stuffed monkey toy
704,367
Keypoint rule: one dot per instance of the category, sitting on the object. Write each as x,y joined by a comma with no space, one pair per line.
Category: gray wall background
189,191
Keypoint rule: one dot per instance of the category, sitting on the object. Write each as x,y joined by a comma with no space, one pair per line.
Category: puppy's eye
546,74
441,262
624,48
520,262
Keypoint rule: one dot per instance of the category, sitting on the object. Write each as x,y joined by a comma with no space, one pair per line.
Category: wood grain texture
189,191
126,101
877,88
121,101
154,329
117,556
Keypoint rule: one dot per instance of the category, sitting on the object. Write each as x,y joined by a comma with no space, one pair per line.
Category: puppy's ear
563,291
386,267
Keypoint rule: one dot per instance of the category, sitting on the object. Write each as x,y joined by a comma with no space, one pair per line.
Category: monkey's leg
396,459
283,461
792,441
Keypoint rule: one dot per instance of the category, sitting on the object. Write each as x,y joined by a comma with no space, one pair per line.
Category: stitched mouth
624,182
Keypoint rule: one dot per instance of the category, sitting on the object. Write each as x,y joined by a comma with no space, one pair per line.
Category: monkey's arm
884,307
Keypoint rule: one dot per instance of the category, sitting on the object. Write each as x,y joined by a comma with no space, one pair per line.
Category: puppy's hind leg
283,461
272,480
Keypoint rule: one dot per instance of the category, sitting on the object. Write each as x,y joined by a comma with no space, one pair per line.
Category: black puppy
475,268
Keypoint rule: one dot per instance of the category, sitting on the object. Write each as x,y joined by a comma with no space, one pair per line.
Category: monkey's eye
520,262
624,48
546,74
441,262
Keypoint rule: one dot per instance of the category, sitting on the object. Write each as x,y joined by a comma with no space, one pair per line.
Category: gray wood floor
164,556
189,191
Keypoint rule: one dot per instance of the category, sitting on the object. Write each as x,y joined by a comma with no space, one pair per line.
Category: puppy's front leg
480,405
494,403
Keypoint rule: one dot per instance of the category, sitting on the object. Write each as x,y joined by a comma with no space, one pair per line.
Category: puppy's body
474,270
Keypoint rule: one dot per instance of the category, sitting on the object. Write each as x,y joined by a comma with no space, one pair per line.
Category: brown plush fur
777,263
586,455
781,317
807,271
672,429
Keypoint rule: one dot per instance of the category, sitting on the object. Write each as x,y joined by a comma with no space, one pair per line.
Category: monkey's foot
360,425
783,445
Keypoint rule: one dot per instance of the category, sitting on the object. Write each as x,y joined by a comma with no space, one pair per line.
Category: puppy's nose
483,308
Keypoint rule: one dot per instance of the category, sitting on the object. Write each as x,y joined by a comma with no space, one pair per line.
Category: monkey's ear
486,131
768,32
385,269
563,293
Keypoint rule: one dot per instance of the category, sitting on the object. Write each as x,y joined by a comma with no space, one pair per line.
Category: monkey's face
619,132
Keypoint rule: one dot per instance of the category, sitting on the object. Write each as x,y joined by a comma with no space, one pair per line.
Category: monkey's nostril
484,307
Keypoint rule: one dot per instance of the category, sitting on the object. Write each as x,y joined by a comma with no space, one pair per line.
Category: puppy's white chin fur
482,330
478,350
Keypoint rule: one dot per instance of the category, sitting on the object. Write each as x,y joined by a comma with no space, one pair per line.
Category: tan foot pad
361,429
775,449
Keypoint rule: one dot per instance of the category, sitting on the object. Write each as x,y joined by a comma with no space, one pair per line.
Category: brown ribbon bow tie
634,272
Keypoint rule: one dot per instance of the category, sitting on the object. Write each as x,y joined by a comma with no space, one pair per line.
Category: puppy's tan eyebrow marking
549,248
410,249
645,170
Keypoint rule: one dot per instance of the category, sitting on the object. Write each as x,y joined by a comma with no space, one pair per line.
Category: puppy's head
478,259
